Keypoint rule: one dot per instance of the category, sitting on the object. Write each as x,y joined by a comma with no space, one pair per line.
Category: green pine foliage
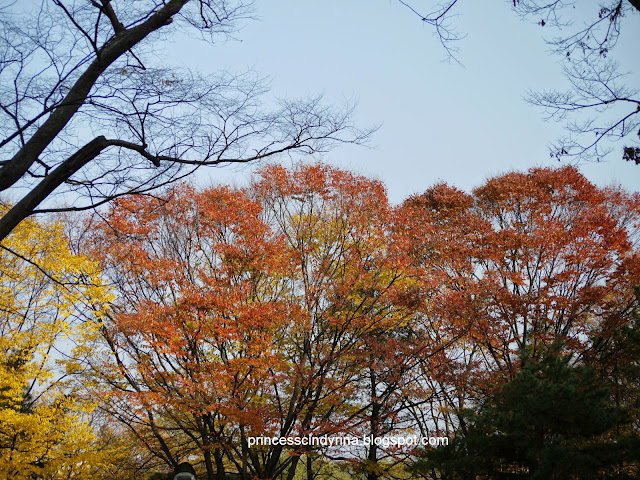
554,420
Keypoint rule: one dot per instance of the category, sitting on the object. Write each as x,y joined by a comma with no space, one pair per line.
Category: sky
439,121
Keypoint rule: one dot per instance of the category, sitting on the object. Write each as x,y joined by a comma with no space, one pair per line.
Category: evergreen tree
552,421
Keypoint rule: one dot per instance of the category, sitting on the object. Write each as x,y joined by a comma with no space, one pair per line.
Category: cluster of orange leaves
306,303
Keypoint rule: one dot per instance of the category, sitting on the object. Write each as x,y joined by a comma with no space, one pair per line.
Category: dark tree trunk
309,468
207,461
220,473
372,457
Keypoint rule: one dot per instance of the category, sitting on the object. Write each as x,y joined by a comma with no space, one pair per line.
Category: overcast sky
439,121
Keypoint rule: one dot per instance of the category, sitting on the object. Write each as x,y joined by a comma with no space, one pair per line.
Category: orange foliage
529,258
306,304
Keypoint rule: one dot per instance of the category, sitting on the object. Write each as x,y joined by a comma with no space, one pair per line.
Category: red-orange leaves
254,311
191,329
306,304
534,257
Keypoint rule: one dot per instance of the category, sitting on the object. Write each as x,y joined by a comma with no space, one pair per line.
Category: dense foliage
552,421
305,305
45,423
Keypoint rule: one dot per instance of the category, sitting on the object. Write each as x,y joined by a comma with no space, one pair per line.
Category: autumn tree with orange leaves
305,304
199,280
278,310
358,351
528,259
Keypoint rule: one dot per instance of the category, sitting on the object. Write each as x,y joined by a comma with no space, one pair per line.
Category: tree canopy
549,422
305,304
45,423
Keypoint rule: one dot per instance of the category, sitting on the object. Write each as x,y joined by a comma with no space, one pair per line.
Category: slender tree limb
25,207
11,172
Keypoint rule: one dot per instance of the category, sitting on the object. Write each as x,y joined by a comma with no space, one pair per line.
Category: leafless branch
599,109
440,19
81,104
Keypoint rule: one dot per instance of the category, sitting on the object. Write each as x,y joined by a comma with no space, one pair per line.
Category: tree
544,255
616,360
523,261
89,112
190,333
598,108
280,310
360,355
45,426
306,305
548,422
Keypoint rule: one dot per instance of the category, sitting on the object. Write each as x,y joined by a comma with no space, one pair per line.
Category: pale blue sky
439,121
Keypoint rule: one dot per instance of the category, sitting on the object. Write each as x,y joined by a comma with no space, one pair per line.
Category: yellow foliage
44,429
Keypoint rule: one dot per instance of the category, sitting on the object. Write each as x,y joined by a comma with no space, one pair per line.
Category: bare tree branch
598,109
81,104
439,19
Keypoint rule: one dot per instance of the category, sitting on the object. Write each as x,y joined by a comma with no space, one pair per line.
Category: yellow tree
44,428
